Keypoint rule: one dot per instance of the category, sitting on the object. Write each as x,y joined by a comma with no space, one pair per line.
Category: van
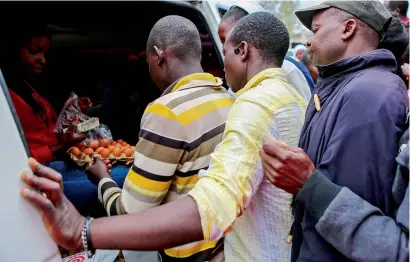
98,51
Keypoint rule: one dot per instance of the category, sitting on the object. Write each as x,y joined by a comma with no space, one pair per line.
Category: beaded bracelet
86,238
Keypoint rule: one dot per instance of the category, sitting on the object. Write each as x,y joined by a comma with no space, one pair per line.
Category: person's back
267,220
267,106
179,131
351,131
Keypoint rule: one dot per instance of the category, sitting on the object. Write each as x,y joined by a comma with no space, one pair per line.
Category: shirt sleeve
157,155
225,190
42,154
368,232
354,227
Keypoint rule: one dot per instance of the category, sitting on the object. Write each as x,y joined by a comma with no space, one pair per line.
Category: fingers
271,147
38,200
44,171
296,150
107,162
49,187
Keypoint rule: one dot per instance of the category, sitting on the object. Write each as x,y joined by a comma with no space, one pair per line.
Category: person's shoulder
376,89
382,83
272,93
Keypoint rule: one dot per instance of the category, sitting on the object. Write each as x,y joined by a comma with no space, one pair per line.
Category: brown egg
119,146
74,151
133,148
116,152
81,146
99,149
124,148
104,143
128,152
104,153
113,143
120,141
124,143
88,151
110,148
94,144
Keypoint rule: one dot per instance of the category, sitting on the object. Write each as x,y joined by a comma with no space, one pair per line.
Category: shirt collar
193,80
276,73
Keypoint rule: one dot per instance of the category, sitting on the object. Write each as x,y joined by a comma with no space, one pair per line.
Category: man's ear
159,55
244,50
349,28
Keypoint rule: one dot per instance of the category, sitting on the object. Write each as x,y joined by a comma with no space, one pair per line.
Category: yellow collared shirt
233,195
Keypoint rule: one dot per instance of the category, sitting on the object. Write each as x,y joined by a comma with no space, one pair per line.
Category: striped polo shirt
178,133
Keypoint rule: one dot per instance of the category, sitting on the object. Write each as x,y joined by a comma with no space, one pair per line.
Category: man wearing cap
296,72
352,128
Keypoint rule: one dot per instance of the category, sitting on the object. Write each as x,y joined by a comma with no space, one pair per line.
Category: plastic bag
72,113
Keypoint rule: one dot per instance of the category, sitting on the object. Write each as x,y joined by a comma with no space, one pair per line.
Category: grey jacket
358,230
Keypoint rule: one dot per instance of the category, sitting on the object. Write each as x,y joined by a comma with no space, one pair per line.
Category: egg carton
84,159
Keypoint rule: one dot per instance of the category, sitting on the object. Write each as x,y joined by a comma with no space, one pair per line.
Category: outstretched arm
147,230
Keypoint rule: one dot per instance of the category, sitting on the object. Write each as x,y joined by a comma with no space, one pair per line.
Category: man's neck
357,47
254,69
183,69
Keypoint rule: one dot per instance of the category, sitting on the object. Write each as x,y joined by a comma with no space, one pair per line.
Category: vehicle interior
101,47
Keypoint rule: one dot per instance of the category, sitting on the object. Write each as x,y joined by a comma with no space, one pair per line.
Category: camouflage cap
372,13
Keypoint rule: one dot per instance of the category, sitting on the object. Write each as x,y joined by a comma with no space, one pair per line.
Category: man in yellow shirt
232,190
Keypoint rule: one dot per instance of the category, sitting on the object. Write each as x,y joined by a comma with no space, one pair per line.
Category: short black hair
402,5
266,33
234,13
396,38
178,34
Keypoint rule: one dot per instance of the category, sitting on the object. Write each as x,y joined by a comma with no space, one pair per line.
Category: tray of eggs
115,151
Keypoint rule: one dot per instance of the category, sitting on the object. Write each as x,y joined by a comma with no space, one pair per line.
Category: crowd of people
303,158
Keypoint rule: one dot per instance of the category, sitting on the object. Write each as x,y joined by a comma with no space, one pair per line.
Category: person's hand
286,168
98,170
405,70
62,220
70,138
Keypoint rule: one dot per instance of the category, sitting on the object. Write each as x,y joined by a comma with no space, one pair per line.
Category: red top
38,134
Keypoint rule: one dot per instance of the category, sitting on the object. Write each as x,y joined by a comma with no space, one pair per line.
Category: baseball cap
249,7
372,13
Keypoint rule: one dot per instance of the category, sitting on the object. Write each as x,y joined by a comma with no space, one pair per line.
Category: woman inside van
25,62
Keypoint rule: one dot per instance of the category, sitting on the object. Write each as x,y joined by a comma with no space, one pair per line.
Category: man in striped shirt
178,133
232,197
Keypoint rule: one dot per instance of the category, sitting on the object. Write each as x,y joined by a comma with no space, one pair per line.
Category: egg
120,141
104,153
133,148
113,143
104,143
94,144
74,151
124,143
124,148
128,152
99,149
119,146
88,151
116,152
81,146
110,147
